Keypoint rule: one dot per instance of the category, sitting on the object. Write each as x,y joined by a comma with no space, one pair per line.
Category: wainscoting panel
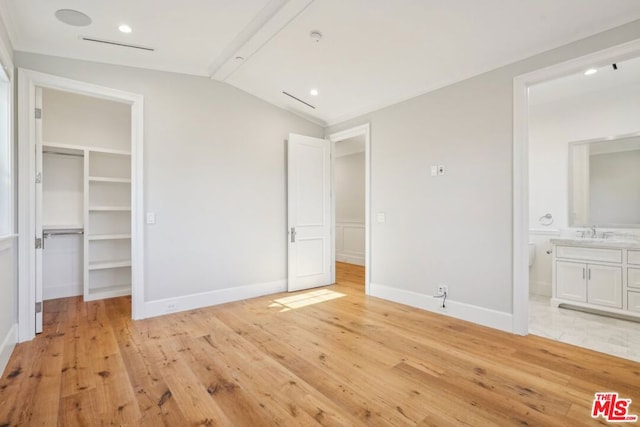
350,240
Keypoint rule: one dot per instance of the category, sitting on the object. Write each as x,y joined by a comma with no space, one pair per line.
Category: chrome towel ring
546,219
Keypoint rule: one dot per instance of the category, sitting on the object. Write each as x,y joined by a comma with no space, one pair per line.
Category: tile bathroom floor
604,334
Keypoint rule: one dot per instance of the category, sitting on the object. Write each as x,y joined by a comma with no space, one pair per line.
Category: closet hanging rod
63,233
57,153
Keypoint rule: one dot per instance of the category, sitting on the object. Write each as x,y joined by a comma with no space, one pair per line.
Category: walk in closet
85,146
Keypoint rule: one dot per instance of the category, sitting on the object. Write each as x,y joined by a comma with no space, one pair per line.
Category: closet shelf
108,292
110,208
93,149
109,236
63,227
109,179
109,264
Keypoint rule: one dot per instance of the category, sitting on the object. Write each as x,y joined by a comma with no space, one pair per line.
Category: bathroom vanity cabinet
597,274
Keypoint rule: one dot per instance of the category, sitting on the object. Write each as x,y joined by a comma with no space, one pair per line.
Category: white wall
8,245
62,206
82,120
349,187
349,176
214,173
62,190
456,229
552,126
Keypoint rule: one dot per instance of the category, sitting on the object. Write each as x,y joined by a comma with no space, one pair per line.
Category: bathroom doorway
589,100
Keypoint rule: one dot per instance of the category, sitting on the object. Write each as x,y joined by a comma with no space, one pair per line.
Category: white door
309,212
38,214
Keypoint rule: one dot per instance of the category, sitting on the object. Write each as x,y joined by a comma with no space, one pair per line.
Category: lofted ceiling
372,53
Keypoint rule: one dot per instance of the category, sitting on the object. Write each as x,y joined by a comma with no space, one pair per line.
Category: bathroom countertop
596,243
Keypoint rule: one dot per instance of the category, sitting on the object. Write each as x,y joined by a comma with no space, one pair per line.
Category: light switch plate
382,218
434,170
151,217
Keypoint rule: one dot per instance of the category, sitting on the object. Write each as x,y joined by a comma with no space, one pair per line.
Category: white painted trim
28,80
540,232
7,74
7,346
206,299
521,85
365,130
471,313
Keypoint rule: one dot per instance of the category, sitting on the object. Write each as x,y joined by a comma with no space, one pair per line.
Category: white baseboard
53,292
540,288
206,299
357,259
7,346
471,313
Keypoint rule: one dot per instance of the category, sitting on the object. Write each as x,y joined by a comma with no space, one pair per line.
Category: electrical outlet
172,306
442,289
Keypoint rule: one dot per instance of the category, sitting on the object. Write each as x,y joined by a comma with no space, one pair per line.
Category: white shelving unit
107,224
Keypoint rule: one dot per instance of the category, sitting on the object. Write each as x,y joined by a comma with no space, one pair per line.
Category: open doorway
82,233
575,256
350,201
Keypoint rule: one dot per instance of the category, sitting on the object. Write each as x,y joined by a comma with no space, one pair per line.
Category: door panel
309,212
604,285
571,281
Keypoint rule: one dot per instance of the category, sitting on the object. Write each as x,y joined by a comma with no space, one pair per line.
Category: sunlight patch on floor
305,299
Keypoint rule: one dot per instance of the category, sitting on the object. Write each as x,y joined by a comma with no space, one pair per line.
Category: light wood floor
351,360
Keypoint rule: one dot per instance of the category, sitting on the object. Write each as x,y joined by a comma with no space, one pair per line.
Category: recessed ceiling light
590,72
124,28
314,92
73,17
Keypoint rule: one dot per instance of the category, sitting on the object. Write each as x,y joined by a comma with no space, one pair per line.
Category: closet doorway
81,191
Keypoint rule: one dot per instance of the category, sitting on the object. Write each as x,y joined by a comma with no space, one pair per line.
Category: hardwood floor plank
78,410
330,356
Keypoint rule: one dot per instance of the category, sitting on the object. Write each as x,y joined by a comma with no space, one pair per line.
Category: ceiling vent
132,46
299,100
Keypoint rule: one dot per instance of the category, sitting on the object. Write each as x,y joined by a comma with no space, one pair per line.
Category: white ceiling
373,52
627,75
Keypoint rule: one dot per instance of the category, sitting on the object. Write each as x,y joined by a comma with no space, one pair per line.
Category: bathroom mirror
604,182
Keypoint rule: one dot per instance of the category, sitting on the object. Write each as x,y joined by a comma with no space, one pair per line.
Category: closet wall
86,196
62,217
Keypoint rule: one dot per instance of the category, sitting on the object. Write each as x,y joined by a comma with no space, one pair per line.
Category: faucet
594,233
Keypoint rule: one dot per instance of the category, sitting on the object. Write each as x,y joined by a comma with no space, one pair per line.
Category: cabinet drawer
633,301
633,257
590,254
633,278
